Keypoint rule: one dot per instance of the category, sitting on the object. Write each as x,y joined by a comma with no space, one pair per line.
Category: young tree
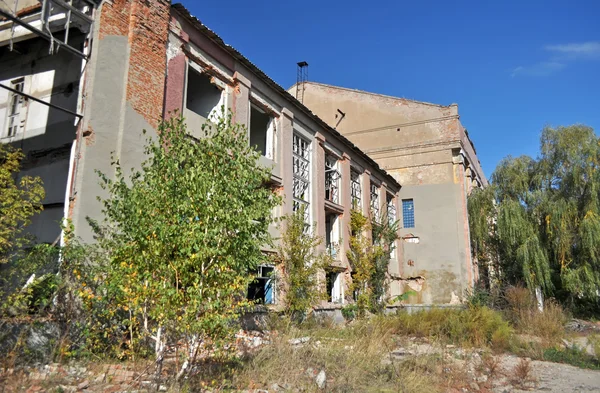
369,258
184,232
300,264
19,201
539,221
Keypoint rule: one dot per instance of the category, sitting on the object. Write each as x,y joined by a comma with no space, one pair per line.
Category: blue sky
513,67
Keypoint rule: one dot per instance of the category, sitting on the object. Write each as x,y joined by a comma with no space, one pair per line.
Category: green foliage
474,326
369,258
349,312
182,234
300,262
539,221
573,356
19,201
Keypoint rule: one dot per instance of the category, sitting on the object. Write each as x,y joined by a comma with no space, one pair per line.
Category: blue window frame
408,213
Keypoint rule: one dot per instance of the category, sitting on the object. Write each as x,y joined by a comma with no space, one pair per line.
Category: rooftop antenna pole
301,79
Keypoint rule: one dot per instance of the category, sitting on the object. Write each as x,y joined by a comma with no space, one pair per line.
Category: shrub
524,314
474,326
301,262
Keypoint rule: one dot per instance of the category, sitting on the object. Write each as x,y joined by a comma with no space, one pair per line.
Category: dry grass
355,359
521,373
491,365
472,327
523,313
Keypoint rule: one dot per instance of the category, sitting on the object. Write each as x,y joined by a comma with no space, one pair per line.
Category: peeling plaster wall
125,94
46,134
429,159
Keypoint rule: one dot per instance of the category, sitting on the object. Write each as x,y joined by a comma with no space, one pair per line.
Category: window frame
333,178
301,174
355,189
15,108
408,205
374,205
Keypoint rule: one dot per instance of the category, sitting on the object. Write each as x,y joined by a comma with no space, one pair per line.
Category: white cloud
576,50
561,56
544,68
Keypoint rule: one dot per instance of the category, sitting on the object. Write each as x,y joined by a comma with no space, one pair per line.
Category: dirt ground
554,377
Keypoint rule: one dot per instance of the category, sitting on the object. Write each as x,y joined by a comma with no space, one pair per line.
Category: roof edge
375,94
195,22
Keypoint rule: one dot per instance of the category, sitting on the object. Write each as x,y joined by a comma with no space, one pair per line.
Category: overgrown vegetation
539,220
20,201
183,235
300,264
371,244
472,327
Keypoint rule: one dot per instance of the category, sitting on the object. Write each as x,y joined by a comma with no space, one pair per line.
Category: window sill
333,207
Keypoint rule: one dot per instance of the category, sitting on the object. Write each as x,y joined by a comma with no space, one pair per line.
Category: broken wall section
125,95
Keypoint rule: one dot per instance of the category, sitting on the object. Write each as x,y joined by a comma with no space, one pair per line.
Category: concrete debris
298,341
321,379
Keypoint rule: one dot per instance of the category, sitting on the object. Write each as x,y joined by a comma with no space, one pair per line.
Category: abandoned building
80,80
427,150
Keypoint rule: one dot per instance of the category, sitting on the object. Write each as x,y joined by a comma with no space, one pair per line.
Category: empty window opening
301,176
260,126
202,97
332,234
332,179
16,107
375,201
391,209
335,292
355,189
408,213
261,290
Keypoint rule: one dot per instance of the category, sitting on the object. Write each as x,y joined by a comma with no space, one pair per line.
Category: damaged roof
183,12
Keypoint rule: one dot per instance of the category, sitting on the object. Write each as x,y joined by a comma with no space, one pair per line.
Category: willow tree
539,221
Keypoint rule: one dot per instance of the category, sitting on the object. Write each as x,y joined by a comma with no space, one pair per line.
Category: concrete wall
426,149
124,96
45,134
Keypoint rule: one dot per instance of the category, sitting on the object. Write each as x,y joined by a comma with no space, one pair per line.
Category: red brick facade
146,24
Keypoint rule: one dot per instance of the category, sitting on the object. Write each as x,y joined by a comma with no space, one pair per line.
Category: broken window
332,179
375,201
15,107
391,209
261,124
408,213
335,290
261,290
202,97
332,234
355,189
301,173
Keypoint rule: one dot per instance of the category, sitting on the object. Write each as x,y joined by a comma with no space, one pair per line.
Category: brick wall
145,23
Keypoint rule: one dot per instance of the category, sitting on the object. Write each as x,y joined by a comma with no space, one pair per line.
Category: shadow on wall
45,134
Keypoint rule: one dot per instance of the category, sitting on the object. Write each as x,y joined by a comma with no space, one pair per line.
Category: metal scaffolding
43,20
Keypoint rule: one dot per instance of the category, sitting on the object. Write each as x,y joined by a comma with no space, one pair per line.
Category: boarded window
202,97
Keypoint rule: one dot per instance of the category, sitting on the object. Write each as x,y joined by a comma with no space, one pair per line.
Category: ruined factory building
79,94
426,149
